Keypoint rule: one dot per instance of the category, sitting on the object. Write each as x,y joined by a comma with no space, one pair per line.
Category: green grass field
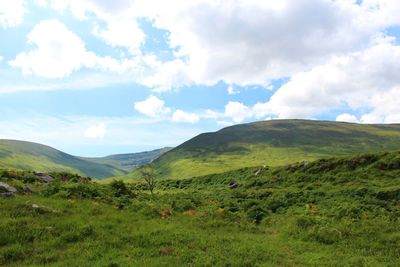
329,212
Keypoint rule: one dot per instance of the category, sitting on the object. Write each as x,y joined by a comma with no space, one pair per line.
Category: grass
329,212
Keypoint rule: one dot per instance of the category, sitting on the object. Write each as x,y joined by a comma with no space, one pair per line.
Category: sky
99,77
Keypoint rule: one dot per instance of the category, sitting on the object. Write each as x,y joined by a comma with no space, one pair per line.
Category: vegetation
329,212
273,143
148,174
31,156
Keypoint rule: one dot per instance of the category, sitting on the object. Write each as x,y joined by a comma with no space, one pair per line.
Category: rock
27,189
44,177
7,190
257,173
233,185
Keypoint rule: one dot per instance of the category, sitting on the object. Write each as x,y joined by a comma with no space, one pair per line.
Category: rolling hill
273,143
32,156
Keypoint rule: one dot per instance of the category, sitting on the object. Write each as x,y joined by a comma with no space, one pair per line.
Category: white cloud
237,111
346,117
12,13
364,79
152,107
1,58
96,131
123,32
232,90
182,116
166,76
58,51
251,42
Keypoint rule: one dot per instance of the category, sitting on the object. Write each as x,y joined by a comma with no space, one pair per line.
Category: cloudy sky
96,77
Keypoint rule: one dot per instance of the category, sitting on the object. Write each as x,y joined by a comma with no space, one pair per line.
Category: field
329,212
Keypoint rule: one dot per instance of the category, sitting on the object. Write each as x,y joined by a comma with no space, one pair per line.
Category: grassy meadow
329,212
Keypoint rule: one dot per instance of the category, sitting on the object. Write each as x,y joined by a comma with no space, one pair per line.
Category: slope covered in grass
273,143
330,212
32,156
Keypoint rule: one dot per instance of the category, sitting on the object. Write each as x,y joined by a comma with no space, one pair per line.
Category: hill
130,161
329,212
273,143
32,156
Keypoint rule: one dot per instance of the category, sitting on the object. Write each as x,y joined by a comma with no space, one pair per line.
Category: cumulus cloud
346,117
56,55
364,79
333,52
58,52
237,111
182,116
12,13
96,131
152,107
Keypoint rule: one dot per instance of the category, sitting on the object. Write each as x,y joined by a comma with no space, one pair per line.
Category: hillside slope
130,161
273,143
31,156
331,212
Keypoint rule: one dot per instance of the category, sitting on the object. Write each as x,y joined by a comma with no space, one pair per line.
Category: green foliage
331,212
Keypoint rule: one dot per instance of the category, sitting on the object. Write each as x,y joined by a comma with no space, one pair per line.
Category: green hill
31,156
273,143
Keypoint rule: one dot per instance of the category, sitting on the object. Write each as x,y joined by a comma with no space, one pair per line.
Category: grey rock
27,189
44,177
7,190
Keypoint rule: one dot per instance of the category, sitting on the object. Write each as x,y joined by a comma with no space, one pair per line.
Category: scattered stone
27,189
233,185
44,177
7,190
42,209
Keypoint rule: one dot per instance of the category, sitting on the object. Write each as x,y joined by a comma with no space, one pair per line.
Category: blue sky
95,77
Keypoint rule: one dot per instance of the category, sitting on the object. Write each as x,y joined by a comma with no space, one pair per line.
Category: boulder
7,190
44,177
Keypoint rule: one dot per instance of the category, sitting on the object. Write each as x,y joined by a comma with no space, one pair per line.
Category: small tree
149,175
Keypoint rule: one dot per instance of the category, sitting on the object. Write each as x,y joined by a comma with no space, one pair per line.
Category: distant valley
32,156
